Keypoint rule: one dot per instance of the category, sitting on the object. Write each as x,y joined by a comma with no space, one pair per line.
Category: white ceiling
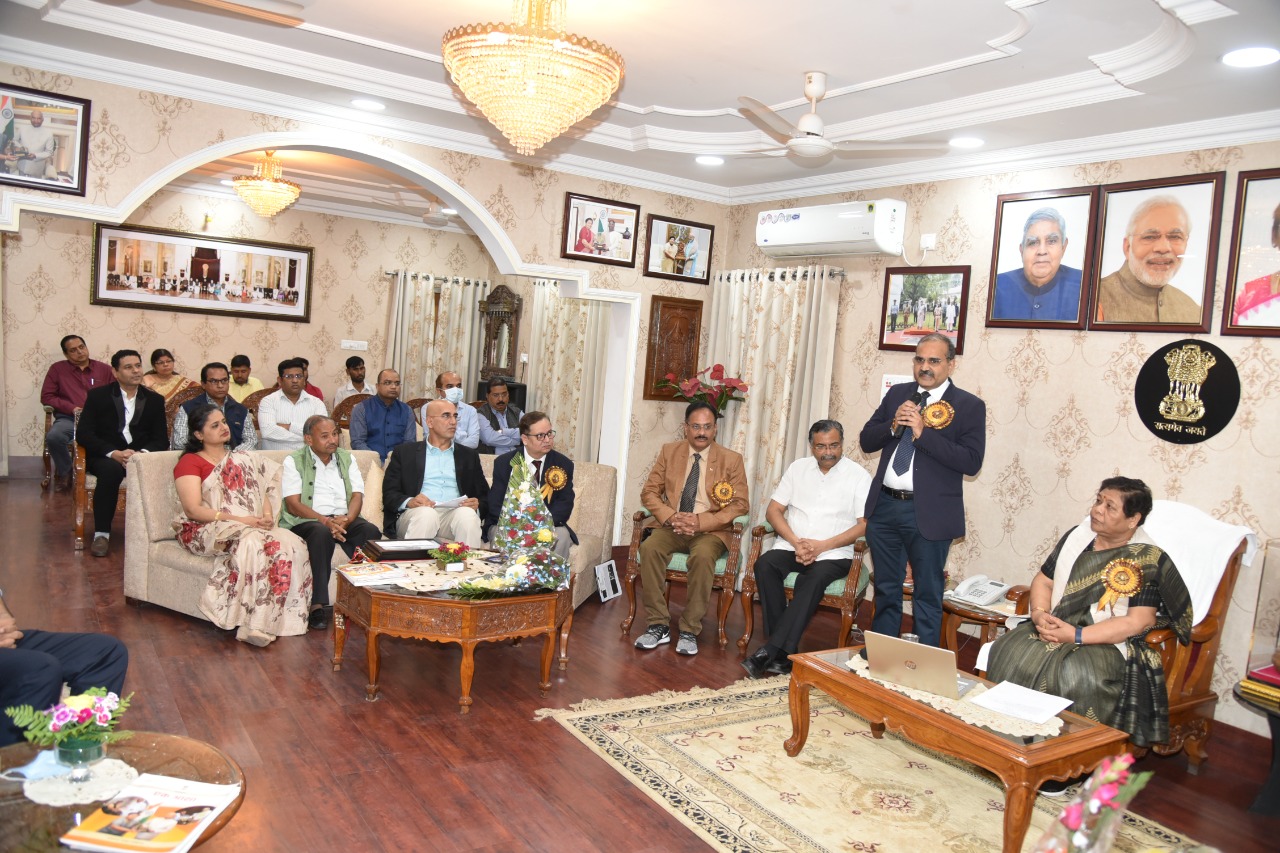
1043,82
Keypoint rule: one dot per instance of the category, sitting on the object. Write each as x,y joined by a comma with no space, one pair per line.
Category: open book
154,813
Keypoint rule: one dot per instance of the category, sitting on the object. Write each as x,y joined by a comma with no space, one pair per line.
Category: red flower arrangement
1090,821
719,392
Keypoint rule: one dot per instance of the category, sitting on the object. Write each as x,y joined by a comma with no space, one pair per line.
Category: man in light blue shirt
435,488
449,387
499,420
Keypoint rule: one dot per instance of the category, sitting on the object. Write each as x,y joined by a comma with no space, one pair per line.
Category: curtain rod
802,272
418,275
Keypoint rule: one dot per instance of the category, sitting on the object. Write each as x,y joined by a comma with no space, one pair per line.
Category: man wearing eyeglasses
283,413
382,421
1142,290
435,489
552,472
215,378
1043,289
933,435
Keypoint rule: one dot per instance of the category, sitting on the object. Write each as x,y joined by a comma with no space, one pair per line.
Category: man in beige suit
695,491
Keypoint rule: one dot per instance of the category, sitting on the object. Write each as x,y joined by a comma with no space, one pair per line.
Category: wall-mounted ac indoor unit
852,228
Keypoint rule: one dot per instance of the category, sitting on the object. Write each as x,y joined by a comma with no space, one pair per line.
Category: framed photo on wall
675,328
921,300
1252,303
599,230
1041,259
1157,254
136,267
678,250
44,140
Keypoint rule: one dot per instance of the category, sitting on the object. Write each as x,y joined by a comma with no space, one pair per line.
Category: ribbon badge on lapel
553,481
722,492
1122,577
938,415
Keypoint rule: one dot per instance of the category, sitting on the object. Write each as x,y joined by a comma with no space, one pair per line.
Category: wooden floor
328,771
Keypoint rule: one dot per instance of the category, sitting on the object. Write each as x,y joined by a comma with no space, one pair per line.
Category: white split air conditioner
853,228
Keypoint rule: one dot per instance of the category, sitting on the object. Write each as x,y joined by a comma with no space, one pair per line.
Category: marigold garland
722,492
938,415
1122,577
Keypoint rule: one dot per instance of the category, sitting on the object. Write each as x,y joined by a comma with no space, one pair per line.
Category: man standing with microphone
933,434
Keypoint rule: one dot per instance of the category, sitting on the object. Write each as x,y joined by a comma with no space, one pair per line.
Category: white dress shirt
329,496
276,409
906,482
821,505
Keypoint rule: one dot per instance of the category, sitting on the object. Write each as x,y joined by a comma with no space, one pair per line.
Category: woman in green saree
1098,594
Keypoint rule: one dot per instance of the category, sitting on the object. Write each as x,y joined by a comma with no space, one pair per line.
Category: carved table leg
1018,799
799,700
564,641
339,638
548,652
467,674
375,664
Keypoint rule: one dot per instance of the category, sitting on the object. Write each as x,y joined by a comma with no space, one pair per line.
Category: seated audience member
163,379
282,413
35,664
323,492
215,379
499,420
306,382
118,420
382,422
242,384
261,581
355,381
422,474
552,470
1080,614
449,387
681,493
64,389
816,512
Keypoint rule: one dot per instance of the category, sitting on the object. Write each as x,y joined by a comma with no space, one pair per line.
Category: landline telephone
980,590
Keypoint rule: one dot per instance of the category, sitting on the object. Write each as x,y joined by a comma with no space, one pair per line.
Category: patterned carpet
714,759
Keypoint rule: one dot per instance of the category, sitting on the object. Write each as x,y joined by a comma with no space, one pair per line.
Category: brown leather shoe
100,546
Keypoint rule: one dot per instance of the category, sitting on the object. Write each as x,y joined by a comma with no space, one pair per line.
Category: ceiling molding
1169,46
1194,12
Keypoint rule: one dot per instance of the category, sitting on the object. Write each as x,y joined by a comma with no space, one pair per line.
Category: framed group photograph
675,329
921,300
1041,259
1157,254
1252,303
596,229
678,250
44,140
135,267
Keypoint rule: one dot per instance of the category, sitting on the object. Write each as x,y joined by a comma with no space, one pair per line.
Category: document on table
392,545
1021,702
453,504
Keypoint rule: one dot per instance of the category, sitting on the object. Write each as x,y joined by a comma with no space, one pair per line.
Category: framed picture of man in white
600,230
678,249
1252,304
44,140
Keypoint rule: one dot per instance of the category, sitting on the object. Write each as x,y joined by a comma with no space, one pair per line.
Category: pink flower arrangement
1094,813
89,716
718,392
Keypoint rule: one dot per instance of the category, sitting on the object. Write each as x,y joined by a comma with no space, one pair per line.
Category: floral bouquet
450,552
89,717
1090,821
724,389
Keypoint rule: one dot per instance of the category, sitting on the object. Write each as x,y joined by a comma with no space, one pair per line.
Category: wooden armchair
82,489
48,462
342,411
174,403
726,572
251,403
844,595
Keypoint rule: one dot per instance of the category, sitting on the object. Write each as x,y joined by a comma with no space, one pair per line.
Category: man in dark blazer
552,471
916,504
118,420
216,381
435,488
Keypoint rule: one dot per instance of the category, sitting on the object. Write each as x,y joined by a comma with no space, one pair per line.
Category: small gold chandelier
266,192
530,79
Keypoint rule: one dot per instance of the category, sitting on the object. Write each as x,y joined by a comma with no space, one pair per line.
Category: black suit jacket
942,459
101,427
561,504
403,480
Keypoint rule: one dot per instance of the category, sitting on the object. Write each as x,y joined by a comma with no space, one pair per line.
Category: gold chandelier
530,79
266,192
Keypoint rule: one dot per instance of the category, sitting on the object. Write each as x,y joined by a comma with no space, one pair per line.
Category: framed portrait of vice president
1041,259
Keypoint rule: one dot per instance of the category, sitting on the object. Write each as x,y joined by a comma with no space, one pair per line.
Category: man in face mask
449,387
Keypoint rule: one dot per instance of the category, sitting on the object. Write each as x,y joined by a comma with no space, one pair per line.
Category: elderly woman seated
1096,596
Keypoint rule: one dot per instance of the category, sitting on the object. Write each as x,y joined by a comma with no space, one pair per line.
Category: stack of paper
373,574
154,813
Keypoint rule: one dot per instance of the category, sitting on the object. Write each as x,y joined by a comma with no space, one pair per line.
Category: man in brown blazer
695,491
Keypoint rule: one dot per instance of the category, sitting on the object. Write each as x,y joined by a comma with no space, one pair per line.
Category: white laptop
913,665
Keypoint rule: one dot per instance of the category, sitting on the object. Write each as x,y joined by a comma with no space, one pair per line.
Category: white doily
108,777
964,708
424,576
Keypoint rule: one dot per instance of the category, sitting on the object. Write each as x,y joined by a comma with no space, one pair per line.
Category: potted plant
718,392
78,728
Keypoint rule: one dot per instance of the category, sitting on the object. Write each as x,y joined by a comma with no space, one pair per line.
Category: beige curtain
459,339
411,332
775,330
568,339
4,415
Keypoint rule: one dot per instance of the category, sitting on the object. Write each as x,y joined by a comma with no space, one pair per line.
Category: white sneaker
687,644
656,636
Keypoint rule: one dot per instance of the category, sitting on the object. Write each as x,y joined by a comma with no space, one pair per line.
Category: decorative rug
714,759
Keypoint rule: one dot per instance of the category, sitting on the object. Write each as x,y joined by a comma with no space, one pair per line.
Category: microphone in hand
898,428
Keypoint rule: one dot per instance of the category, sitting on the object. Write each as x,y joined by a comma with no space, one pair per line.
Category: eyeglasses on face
701,427
292,376
932,362
542,436
223,381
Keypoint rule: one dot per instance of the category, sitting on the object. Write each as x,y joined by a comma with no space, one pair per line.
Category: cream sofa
160,571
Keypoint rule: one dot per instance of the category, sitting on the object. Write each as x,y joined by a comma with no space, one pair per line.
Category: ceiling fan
805,138
286,12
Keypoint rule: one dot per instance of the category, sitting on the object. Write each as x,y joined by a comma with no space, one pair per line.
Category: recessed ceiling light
227,182
965,142
368,104
709,160
449,211
1251,57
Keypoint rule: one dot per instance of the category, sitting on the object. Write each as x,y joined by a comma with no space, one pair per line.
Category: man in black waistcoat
216,380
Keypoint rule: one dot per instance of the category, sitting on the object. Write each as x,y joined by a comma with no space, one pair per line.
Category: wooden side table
956,613
1268,800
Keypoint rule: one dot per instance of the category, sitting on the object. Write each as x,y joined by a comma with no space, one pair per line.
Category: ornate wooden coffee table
437,617
1021,763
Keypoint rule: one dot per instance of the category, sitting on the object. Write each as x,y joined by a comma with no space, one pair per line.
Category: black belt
897,493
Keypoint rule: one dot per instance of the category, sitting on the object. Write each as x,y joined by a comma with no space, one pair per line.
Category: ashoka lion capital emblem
1188,370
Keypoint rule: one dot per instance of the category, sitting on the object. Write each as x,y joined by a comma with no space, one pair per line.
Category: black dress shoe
779,666
757,663
319,619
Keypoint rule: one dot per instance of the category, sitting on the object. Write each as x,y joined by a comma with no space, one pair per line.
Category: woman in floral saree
261,584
